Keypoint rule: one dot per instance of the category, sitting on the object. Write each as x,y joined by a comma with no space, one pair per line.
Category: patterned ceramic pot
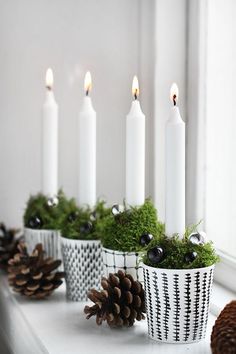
50,240
82,265
177,303
126,261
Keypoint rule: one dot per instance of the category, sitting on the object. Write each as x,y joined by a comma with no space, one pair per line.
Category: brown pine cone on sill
120,303
223,337
33,275
8,245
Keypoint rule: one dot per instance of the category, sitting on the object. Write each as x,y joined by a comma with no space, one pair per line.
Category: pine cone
223,336
120,303
8,245
33,275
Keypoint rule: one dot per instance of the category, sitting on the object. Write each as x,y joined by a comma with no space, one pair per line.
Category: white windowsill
220,297
56,326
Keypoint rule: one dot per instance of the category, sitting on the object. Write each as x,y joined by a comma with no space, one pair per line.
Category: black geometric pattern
203,306
129,262
50,240
197,290
209,288
83,267
177,303
157,307
166,303
148,303
177,308
187,310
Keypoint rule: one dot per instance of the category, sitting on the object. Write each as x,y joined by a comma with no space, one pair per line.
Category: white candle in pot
87,149
50,140
175,169
135,151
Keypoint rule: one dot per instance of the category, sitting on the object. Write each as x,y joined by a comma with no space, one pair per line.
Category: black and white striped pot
50,240
129,262
177,303
82,266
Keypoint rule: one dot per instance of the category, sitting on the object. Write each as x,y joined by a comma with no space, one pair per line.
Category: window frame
196,130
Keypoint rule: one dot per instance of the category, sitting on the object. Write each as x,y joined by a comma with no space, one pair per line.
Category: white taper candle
50,140
87,149
135,151
175,170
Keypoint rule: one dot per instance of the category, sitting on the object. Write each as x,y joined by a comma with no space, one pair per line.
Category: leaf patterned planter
129,262
177,303
82,266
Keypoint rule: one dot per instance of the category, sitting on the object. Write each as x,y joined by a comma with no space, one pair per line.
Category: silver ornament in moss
155,254
86,227
190,257
197,238
117,209
52,202
145,239
93,216
73,216
35,222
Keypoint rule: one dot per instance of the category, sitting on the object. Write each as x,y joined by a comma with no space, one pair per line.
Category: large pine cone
8,245
120,303
33,275
223,337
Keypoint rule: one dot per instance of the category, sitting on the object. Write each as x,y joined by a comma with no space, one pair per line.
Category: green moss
175,250
122,232
51,216
78,227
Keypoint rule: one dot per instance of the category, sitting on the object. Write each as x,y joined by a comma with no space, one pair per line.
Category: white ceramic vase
177,303
50,240
129,262
82,266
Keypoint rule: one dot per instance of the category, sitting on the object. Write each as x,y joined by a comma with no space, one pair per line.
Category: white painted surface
61,327
221,126
221,296
196,112
115,40
211,128
70,36
211,121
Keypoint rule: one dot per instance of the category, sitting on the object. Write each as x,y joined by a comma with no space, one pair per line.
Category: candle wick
174,100
87,92
135,95
48,88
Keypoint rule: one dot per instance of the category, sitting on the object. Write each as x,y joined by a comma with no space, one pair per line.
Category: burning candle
87,149
135,151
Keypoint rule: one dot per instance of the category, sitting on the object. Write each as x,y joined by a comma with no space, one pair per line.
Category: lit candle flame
49,79
174,93
87,83
135,87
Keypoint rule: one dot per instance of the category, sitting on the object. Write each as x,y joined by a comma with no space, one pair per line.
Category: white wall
170,66
71,36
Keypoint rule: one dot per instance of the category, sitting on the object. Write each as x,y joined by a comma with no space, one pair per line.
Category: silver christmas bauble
117,209
52,202
93,216
197,238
